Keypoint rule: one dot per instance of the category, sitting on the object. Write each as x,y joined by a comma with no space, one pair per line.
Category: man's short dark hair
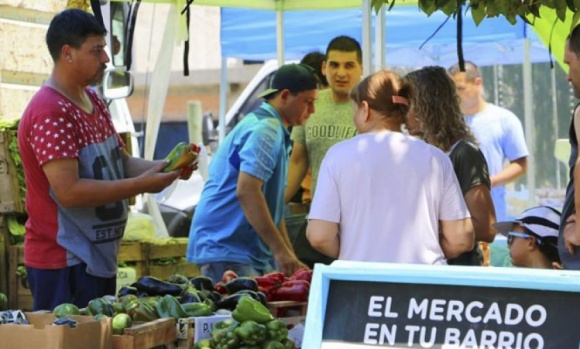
471,71
574,40
315,59
345,43
71,27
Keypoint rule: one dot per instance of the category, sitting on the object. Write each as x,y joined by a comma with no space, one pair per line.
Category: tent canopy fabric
251,35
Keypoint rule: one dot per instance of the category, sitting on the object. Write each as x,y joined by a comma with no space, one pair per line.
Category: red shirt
53,128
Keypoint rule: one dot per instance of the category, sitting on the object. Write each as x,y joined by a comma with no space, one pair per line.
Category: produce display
245,298
252,326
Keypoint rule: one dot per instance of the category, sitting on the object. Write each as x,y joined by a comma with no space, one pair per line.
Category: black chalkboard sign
366,305
431,316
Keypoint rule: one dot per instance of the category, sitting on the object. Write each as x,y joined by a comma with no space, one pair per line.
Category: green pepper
224,339
225,324
143,312
197,309
251,309
273,345
250,332
126,299
288,343
101,306
168,307
277,330
203,344
181,156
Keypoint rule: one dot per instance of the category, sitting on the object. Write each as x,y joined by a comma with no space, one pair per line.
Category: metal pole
280,36
223,100
380,37
495,85
194,122
529,122
366,37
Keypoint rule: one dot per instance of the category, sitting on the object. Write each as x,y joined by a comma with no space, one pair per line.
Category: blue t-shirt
220,232
500,136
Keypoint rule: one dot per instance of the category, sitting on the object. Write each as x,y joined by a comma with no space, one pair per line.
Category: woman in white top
383,196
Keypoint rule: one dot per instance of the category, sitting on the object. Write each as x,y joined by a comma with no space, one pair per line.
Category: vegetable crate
11,197
282,309
147,335
19,295
158,260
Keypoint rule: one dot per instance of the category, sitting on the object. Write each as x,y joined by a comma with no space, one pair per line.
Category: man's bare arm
511,172
255,208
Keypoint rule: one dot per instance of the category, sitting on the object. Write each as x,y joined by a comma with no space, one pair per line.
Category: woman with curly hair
384,196
436,117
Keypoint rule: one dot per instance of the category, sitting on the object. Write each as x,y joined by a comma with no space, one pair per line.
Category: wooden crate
147,335
10,199
176,250
144,257
282,309
19,295
134,254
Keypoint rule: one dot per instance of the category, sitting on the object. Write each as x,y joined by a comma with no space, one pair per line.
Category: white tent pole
280,36
529,122
366,37
380,37
223,100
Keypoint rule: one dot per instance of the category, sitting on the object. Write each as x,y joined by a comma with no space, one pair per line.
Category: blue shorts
51,287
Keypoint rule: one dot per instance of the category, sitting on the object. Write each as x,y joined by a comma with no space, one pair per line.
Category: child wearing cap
532,237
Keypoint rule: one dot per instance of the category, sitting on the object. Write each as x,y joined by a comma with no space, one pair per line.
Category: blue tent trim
251,35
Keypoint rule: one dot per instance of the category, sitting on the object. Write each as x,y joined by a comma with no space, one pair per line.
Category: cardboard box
89,334
147,335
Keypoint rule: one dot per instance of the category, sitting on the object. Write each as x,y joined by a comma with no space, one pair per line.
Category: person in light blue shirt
498,131
238,224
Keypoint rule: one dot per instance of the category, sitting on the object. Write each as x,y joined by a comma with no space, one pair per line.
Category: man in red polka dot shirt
78,176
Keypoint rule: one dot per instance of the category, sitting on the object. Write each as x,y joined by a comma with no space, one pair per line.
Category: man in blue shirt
498,131
239,223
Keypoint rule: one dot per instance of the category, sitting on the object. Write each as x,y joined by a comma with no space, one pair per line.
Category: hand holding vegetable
183,157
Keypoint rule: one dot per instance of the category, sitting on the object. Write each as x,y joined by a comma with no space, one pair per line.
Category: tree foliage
481,9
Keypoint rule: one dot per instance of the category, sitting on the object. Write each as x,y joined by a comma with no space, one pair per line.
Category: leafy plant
527,10
480,9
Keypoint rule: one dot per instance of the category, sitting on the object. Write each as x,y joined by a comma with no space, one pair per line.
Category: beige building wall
25,62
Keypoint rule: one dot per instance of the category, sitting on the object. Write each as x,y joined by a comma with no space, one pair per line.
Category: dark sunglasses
512,235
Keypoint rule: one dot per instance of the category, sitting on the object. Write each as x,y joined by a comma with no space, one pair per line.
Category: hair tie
400,100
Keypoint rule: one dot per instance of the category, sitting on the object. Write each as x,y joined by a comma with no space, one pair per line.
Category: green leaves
478,13
481,9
